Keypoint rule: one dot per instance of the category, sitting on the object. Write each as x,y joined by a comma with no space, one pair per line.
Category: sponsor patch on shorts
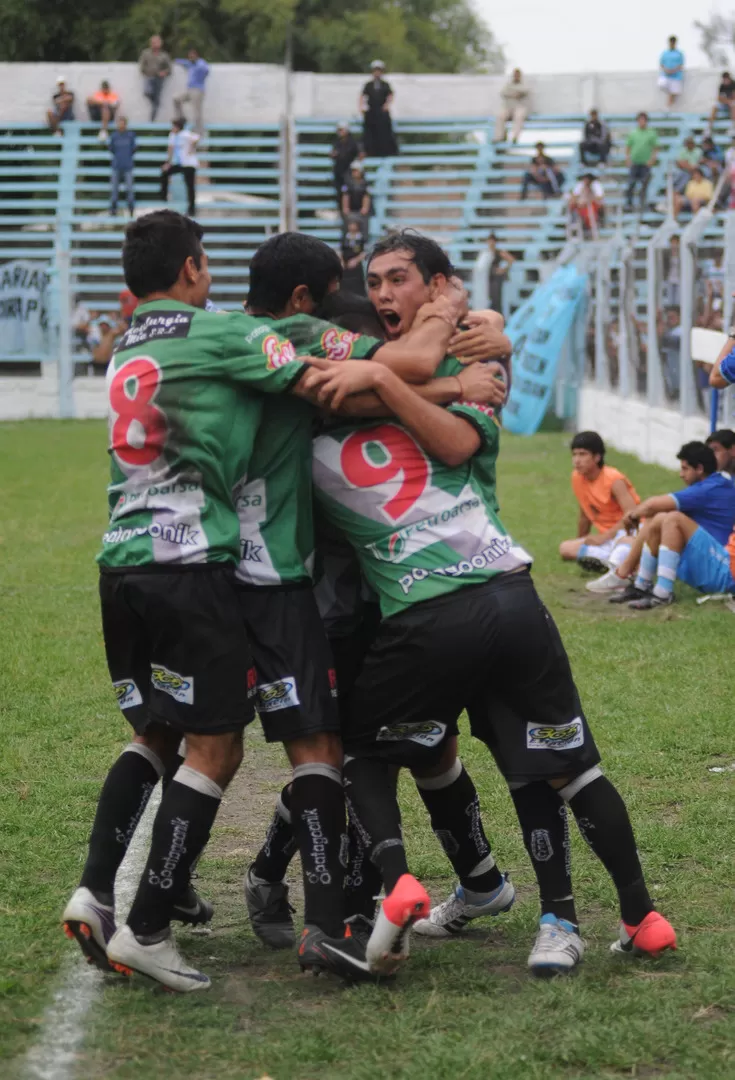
278,695
555,737
425,733
179,687
127,693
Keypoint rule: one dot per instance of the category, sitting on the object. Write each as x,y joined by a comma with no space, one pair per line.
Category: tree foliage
717,39
327,35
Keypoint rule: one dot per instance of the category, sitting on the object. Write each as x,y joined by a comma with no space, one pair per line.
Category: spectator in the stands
712,159
723,446
587,202
697,193
596,140
671,78
672,273
668,329
102,106
725,104
543,173
155,67
181,158
687,159
62,107
500,264
356,198
376,99
345,149
102,336
197,72
641,153
515,101
353,254
123,145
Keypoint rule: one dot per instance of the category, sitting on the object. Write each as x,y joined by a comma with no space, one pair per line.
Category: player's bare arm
657,504
716,378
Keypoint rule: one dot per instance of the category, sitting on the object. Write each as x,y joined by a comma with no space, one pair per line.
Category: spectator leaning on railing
671,78
515,101
596,140
155,67
197,72
641,153
62,107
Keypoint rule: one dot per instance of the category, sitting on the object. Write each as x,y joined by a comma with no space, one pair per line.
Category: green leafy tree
717,39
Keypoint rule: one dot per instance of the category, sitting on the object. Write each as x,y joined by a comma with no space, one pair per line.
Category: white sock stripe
283,811
319,768
580,782
482,867
182,748
148,754
667,572
436,783
383,846
347,759
197,781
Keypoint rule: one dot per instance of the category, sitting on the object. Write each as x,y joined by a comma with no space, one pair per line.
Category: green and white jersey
420,528
274,498
183,413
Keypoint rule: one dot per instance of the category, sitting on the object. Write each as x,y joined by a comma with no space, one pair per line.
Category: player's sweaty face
584,462
397,290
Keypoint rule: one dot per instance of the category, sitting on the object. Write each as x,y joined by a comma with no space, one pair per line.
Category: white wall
653,434
242,93
36,397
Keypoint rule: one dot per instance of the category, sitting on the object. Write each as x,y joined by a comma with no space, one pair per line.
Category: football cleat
192,909
630,592
649,601
387,947
161,961
463,905
346,956
608,583
271,915
558,948
91,924
592,564
651,937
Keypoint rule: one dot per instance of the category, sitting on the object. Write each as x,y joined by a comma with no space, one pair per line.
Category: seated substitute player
289,273
417,501
604,495
184,398
685,535
723,444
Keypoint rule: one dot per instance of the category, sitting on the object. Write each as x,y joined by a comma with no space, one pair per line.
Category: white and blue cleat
558,948
462,907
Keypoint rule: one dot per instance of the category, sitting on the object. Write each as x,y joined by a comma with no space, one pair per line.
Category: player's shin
318,819
280,845
362,880
542,815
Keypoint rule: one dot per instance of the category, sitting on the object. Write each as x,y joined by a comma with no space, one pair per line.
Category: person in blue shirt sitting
685,535
122,146
198,70
671,78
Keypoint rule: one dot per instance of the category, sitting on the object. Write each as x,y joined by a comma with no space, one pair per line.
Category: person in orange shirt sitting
102,106
604,495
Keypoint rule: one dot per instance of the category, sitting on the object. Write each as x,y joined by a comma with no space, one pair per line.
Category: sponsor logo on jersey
181,535
278,351
278,695
255,334
250,551
426,733
179,687
156,326
396,548
127,693
495,550
338,344
555,737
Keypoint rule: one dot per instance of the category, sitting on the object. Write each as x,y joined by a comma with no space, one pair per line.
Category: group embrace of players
303,521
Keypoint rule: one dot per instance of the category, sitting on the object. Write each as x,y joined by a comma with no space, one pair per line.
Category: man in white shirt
181,158
587,201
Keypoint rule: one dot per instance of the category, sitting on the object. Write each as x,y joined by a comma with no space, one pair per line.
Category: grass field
658,688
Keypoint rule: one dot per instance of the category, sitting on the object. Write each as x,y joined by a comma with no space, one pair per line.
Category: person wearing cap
376,99
62,107
345,149
102,336
102,106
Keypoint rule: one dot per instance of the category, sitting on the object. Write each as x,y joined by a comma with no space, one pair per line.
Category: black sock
280,846
362,880
180,833
542,815
373,805
454,809
318,817
173,767
122,801
603,821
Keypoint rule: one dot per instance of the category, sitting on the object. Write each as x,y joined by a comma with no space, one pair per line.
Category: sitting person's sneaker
345,956
650,600
608,583
650,937
558,948
592,564
91,924
192,909
271,915
463,905
387,948
160,960
630,592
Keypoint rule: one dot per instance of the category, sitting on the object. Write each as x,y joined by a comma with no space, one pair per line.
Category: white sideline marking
54,1056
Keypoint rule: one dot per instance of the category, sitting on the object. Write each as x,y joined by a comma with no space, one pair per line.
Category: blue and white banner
24,308
539,330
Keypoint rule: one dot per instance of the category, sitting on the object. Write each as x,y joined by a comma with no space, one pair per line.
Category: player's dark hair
725,437
286,261
589,440
351,312
698,453
428,256
156,247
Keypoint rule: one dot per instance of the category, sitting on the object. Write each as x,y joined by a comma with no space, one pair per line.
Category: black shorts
296,680
177,650
492,649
